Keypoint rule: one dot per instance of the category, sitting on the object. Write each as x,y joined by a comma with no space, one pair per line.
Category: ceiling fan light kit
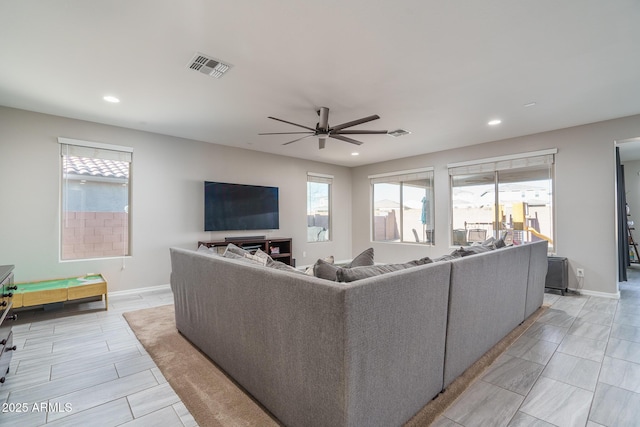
324,131
398,132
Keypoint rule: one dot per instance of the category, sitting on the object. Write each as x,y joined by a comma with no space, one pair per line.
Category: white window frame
401,177
321,178
92,149
504,163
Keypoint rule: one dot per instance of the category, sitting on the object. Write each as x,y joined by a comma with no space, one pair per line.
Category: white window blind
518,161
95,150
318,177
402,176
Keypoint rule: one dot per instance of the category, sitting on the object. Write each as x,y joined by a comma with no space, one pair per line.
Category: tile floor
89,359
578,365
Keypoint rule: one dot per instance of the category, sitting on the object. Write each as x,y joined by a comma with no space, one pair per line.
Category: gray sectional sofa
367,353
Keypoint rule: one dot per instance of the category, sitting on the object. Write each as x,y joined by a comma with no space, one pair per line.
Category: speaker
557,274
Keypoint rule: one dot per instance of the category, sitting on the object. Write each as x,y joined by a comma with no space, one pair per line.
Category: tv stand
278,248
243,238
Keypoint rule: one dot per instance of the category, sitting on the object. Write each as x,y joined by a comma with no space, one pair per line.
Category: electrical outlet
304,254
580,272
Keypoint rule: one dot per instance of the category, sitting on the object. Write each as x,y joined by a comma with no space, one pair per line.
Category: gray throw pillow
279,265
325,270
445,258
362,272
309,270
499,243
458,253
470,250
363,259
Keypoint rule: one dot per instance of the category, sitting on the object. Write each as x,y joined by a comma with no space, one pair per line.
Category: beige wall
167,206
585,230
167,203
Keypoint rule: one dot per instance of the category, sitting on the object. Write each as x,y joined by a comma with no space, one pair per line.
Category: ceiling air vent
398,132
208,65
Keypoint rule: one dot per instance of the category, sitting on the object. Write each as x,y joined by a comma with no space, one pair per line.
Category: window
510,197
403,206
95,200
318,207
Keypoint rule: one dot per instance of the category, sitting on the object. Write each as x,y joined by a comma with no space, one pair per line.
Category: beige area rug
214,399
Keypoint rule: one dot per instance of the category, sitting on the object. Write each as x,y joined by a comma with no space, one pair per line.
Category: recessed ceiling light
355,154
494,122
529,104
112,99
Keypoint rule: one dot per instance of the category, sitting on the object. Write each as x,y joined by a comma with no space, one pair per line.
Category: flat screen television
240,207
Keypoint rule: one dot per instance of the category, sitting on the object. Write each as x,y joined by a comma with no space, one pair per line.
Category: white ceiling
439,69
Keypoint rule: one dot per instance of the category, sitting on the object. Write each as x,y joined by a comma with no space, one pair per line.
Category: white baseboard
597,294
138,290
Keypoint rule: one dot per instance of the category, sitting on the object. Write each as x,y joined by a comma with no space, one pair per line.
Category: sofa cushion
362,272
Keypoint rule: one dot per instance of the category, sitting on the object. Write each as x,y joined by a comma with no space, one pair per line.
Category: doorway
628,208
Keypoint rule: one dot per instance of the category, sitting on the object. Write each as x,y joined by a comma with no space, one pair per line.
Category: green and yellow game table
60,290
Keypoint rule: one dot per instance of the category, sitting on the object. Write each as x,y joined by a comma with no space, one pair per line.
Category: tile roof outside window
95,167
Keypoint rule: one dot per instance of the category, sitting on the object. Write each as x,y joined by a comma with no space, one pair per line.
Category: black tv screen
240,207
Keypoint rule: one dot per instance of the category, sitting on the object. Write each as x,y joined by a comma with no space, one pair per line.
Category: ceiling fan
324,131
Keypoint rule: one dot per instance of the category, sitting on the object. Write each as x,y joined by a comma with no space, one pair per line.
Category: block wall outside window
94,235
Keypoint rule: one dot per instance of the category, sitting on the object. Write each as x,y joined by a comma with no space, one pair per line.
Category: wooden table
60,290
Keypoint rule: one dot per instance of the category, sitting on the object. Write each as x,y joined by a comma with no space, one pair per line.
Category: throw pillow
363,259
362,272
458,253
261,256
279,265
233,249
491,242
470,250
235,252
309,270
445,258
206,250
325,270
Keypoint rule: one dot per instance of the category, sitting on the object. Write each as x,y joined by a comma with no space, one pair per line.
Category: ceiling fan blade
286,133
291,123
355,122
361,132
323,123
295,140
344,138
321,143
